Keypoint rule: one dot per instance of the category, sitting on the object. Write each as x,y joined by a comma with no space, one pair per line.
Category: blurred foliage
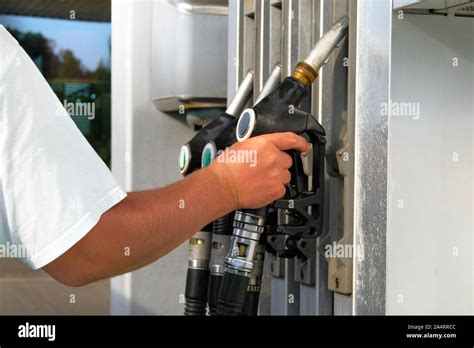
63,70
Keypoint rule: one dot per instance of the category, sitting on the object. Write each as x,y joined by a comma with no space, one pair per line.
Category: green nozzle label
207,155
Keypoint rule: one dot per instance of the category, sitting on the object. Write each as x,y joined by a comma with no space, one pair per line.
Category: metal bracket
277,265
303,250
312,226
305,261
340,267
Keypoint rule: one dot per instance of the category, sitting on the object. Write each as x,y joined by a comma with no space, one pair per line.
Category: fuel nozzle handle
191,152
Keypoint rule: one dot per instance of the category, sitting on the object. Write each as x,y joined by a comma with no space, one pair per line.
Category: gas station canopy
85,10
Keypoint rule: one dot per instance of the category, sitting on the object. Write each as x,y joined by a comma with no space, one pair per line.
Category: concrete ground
23,292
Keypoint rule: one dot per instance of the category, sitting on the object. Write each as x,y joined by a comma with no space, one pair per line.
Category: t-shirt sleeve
53,186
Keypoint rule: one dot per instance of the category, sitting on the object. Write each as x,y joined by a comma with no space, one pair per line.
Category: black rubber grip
205,135
232,295
251,303
215,282
227,137
196,292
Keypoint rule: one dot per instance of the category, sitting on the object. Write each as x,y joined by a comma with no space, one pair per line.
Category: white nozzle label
245,125
184,158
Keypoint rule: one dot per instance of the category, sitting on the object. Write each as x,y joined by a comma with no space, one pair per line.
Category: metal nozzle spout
242,95
272,82
307,70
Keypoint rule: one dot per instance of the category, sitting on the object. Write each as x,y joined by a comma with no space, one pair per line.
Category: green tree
70,66
40,49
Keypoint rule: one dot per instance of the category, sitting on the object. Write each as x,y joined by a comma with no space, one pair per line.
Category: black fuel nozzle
223,227
191,152
278,112
221,232
190,159
197,275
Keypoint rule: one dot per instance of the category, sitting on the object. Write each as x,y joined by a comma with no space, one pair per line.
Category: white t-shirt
53,186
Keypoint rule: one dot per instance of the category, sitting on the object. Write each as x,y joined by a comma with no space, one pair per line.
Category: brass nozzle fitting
304,73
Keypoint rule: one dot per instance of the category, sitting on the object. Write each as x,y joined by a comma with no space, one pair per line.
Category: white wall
430,193
145,145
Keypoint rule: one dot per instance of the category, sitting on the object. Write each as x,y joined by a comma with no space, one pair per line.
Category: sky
88,40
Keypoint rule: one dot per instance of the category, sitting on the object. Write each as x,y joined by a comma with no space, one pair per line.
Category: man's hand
151,223
256,170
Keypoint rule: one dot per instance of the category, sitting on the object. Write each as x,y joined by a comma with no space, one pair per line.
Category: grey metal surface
199,250
179,55
271,82
324,47
457,8
240,43
373,30
426,4
145,143
220,245
238,101
342,217
328,103
248,50
207,7
342,304
268,40
285,299
296,44
296,39
235,68
268,75
430,226
397,4
262,42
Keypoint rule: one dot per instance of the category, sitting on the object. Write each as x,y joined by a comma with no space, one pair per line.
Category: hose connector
304,73
247,230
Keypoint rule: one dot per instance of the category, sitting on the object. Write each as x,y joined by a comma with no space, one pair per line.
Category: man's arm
148,224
